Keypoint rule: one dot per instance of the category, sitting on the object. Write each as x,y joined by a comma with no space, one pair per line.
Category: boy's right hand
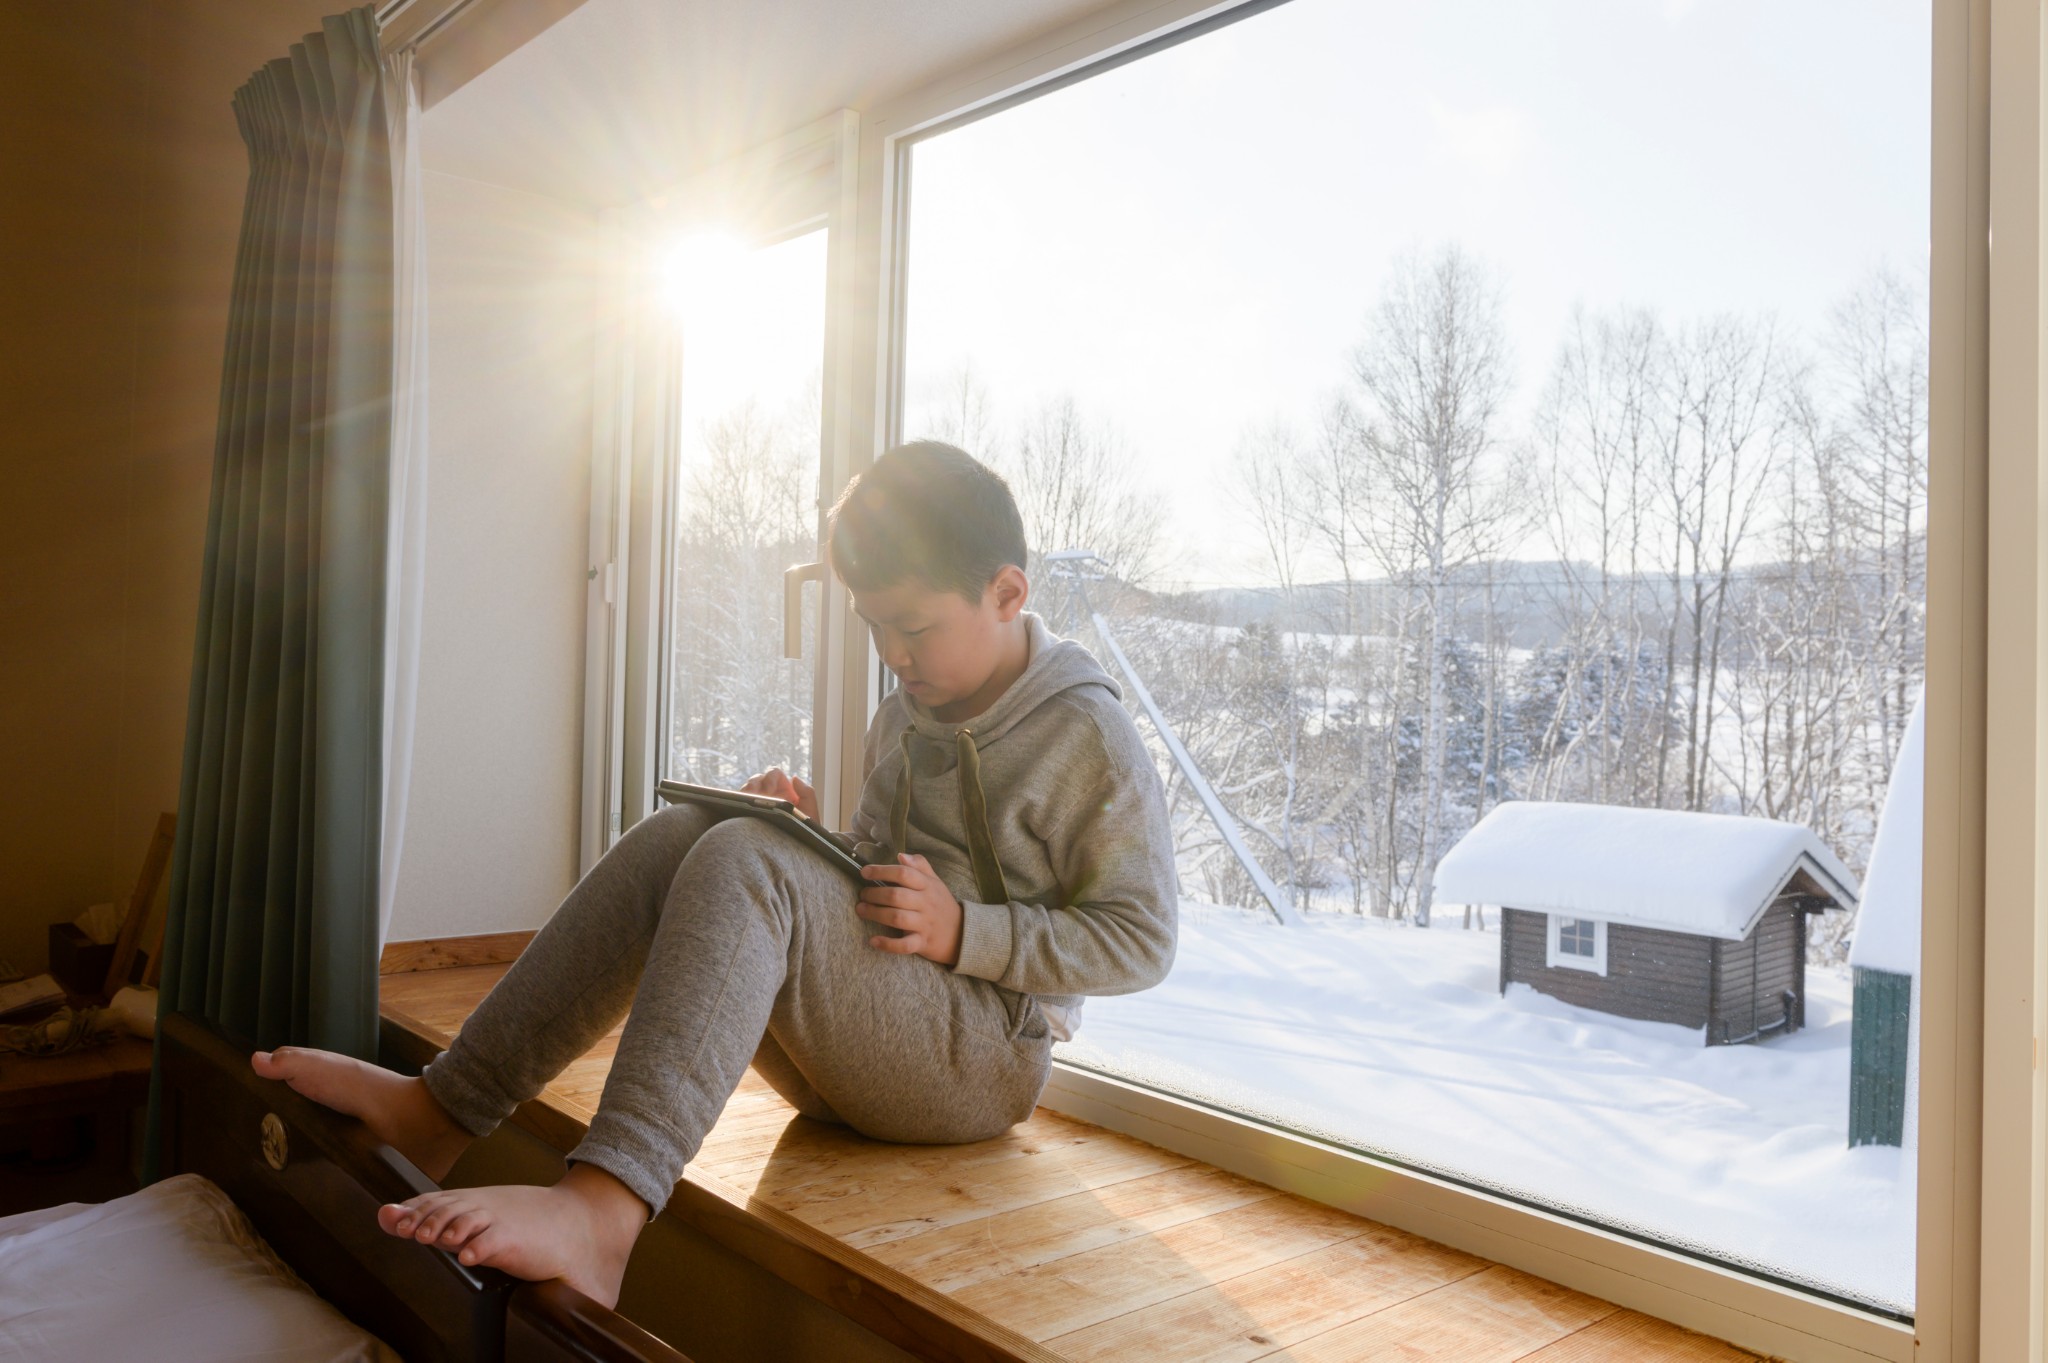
779,783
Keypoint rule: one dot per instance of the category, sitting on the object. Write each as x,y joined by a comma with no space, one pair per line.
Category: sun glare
700,268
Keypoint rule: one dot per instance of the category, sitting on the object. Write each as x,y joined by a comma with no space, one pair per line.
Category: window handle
793,579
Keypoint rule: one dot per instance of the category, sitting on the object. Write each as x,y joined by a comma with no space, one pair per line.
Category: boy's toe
483,1247
430,1212
461,1227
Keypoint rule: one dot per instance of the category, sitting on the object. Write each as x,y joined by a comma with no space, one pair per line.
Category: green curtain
273,904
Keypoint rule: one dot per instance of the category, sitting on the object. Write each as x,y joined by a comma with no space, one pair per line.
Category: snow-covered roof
1709,874
1888,923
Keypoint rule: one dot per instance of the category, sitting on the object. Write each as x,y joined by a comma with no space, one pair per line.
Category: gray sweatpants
732,943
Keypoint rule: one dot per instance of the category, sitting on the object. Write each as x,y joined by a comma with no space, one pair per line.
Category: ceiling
621,98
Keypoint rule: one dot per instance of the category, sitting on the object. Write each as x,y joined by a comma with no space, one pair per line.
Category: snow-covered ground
1396,1039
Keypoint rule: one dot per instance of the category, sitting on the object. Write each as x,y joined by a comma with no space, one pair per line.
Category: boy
1026,862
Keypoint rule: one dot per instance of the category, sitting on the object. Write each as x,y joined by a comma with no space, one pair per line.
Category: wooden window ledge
1059,1240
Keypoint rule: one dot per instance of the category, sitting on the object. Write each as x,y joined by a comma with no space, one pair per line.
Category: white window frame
1983,1124
801,182
1556,955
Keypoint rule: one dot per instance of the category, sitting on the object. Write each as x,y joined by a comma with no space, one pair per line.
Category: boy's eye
913,633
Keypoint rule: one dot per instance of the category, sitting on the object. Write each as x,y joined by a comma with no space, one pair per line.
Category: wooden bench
1065,1241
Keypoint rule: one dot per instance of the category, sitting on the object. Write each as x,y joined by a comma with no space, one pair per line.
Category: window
715,647
738,701
1208,308
1578,943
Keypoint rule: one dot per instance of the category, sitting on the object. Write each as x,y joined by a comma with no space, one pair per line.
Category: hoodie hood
1055,665
1055,842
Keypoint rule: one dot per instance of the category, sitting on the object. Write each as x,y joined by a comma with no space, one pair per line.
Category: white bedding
170,1273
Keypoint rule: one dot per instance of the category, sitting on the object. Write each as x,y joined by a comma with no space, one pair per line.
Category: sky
1190,244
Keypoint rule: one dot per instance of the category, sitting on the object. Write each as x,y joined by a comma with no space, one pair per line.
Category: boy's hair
929,511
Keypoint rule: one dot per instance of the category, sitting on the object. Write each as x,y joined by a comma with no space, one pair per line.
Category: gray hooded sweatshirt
1045,818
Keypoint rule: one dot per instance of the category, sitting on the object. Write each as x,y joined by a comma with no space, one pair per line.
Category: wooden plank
140,901
831,1153
152,973
441,999
948,1258
928,1324
441,953
1067,1294
1630,1337
872,1209
1249,1316
838,1151
1496,1315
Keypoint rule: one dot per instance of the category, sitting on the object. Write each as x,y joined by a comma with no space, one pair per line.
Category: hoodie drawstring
981,843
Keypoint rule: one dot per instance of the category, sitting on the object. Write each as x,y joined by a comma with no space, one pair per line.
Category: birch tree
1430,377
1077,487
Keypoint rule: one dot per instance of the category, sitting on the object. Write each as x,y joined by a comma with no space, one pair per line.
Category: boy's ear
1009,590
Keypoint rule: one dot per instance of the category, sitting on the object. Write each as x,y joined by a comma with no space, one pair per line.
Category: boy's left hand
909,897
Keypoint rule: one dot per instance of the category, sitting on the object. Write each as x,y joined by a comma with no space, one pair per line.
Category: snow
1711,874
1888,925
1396,1040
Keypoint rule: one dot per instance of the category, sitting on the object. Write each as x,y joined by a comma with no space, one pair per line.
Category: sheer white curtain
406,568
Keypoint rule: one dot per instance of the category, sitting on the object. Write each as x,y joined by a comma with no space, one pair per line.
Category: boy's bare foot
581,1230
397,1108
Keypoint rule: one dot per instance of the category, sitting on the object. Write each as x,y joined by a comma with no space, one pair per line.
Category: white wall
491,833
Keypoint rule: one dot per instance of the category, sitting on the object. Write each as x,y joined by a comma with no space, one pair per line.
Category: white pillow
172,1272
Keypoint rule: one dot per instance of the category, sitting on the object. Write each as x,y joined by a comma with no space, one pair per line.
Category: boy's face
948,653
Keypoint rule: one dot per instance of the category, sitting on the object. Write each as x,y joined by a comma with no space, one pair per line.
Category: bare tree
1431,375
1077,488
1268,471
1878,345
961,413
1725,394
745,511
1597,442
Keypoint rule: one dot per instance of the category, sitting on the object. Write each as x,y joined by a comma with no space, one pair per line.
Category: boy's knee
670,826
735,842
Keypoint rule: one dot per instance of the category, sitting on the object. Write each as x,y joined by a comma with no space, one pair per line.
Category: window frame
802,182
1983,1115
1557,957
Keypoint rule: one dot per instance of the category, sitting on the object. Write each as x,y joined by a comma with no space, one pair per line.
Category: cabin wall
1752,976
1652,974
121,180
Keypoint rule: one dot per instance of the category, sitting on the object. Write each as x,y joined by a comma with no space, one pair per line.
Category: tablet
777,812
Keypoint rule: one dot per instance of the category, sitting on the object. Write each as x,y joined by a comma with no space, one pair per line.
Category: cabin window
1421,408
1578,943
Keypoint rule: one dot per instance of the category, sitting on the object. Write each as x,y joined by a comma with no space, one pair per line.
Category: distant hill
1527,595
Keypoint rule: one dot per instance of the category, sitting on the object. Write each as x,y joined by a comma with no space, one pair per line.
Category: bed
244,1157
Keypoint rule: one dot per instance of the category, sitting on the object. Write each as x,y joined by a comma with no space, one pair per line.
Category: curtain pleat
273,927
406,561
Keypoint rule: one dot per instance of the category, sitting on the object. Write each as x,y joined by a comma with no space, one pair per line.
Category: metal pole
1276,899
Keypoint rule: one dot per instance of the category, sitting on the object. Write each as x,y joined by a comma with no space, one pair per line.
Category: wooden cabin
1694,919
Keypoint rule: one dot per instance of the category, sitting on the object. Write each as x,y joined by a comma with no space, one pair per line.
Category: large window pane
746,489
1477,407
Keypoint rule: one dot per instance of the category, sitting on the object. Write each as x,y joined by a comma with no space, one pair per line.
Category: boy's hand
775,781
908,896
